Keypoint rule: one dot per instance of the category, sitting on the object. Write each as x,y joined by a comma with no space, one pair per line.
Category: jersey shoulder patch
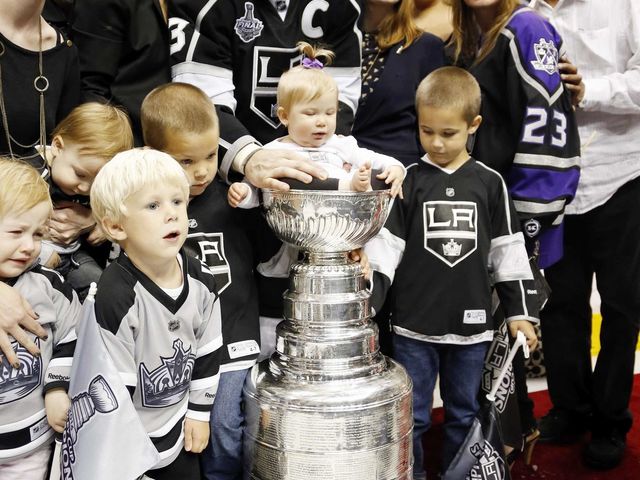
538,46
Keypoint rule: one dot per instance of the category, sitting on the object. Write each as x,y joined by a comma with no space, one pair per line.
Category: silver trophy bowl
326,221
327,405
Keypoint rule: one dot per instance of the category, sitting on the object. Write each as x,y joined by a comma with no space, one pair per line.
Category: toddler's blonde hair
96,129
128,173
21,187
304,84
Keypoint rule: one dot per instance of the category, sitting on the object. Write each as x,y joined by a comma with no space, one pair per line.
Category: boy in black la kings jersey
446,245
158,307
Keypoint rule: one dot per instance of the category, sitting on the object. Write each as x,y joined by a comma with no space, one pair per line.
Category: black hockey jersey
236,50
529,132
226,240
167,351
444,246
23,420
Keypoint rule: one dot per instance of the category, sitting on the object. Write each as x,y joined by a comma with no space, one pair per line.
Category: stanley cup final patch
248,27
450,230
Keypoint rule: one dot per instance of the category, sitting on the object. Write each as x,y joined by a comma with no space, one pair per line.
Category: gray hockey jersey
167,351
23,421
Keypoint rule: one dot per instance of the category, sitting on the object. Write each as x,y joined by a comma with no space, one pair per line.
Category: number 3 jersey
453,237
529,132
23,421
166,349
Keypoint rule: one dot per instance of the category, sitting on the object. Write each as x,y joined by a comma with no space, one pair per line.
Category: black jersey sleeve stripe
206,366
170,439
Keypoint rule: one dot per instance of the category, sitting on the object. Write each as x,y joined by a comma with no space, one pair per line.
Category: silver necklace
41,85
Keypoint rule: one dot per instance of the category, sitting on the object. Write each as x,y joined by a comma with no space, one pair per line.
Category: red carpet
555,462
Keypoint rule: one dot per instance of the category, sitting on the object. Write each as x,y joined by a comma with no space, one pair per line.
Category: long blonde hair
467,35
399,26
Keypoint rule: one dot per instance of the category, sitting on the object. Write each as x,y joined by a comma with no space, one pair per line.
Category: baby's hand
56,404
196,435
361,179
525,327
361,257
393,175
238,191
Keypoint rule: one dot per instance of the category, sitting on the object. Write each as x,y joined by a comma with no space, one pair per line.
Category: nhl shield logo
209,248
546,56
248,27
450,231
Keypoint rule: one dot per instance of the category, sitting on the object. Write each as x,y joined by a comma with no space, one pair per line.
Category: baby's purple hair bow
312,63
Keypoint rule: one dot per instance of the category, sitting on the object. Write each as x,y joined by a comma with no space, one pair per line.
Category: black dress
22,101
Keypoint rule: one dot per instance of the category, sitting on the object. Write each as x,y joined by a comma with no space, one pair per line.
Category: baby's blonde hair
96,129
304,84
128,173
21,187
177,108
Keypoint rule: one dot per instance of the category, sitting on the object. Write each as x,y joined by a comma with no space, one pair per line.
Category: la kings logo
268,64
167,384
209,248
489,465
450,230
546,56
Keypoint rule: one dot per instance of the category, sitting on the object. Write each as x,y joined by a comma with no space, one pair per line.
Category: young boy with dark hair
446,245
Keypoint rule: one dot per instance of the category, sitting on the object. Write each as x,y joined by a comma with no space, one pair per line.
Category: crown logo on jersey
167,384
452,248
546,56
18,382
248,27
99,398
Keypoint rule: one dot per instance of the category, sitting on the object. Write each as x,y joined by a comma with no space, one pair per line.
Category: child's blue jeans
460,369
222,459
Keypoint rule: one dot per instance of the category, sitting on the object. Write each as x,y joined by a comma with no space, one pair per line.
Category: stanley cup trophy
327,405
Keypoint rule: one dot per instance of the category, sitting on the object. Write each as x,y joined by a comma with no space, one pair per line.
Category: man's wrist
243,156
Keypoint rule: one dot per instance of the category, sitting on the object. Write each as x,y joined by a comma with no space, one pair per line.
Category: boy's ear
282,116
475,124
57,144
113,229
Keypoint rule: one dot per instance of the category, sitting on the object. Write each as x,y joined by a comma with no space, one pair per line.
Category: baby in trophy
308,106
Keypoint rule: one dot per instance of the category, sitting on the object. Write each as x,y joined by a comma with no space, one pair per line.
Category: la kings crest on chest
450,229
210,249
